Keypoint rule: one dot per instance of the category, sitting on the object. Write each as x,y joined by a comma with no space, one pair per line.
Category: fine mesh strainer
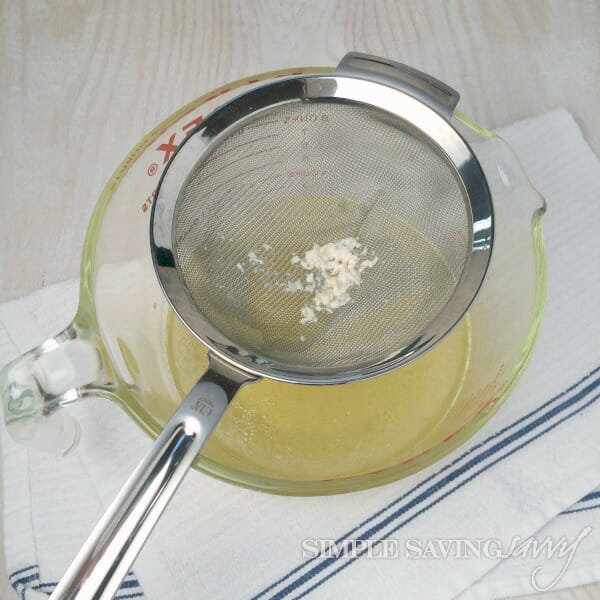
366,153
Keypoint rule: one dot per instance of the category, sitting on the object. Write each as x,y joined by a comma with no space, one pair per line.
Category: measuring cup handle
433,92
35,387
102,563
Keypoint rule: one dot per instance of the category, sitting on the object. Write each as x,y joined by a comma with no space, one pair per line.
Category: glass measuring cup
136,354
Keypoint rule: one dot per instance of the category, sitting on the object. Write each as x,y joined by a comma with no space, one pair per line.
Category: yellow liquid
308,433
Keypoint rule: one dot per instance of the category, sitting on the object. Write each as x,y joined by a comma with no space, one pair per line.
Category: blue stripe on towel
580,505
578,510
19,571
591,496
130,584
22,578
448,493
50,584
544,416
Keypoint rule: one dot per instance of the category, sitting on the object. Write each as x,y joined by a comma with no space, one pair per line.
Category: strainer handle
433,92
104,560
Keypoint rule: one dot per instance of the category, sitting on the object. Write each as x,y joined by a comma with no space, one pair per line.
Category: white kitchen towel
527,478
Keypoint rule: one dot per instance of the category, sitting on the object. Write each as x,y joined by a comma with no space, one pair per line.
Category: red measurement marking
168,148
233,162
258,182
485,405
480,409
195,222
249,142
405,462
253,80
152,169
449,437
224,183
261,124
187,112
187,230
306,118
148,202
193,123
377,471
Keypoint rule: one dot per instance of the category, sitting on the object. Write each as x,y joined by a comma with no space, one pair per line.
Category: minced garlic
332,270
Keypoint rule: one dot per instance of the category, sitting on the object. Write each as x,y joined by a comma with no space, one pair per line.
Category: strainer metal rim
339,88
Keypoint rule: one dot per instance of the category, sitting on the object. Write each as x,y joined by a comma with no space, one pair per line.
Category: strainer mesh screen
313,173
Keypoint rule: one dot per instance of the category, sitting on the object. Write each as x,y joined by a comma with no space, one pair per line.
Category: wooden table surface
82,82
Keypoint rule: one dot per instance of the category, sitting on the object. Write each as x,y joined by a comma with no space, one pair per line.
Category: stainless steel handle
433,92
103,561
